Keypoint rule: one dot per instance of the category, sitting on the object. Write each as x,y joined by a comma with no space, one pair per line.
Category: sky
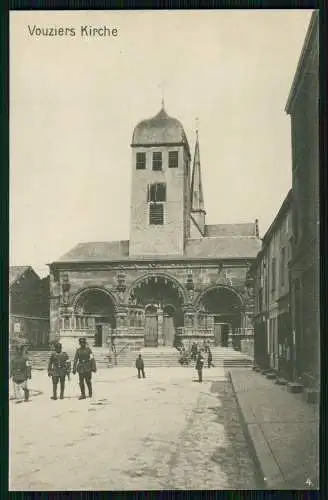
74,102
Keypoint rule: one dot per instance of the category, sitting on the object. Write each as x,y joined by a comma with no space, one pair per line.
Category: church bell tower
160,200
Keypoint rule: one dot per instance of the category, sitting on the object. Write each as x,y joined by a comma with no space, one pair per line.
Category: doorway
99,336
151,327
169,325
217,333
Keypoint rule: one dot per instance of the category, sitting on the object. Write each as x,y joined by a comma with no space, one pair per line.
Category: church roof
243,229
160,129
230,247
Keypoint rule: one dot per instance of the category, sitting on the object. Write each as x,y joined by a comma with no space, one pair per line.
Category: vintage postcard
164,250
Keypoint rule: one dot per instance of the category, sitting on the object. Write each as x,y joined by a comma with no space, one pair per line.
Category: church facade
176,278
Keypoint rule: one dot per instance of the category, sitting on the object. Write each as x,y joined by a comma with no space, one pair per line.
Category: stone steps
153,357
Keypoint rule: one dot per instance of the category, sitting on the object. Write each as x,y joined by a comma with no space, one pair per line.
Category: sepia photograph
164,326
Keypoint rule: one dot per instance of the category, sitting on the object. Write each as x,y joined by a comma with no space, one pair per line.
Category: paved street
164,432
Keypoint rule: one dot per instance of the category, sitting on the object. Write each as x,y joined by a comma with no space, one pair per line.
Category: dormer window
173,159
157,160
141,161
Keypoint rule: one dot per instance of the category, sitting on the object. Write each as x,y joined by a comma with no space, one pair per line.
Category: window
173,159
141,161
260,303
273,276
156,214
282,266
156,192
157,161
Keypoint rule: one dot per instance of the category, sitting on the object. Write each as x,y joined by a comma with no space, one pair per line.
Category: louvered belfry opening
156,214
156,194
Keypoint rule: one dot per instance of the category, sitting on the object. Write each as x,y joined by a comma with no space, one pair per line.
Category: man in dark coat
194,350
84,364
199,366
140,366
58,367
20,371
209,358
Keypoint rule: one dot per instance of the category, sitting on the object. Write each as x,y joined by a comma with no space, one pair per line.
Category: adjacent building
286,321
273,346
177,277
29,306
303,108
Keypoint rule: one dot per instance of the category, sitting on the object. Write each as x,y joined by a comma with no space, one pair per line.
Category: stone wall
118,282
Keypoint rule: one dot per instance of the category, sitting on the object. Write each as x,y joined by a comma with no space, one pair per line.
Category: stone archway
163,301
222,306
95,308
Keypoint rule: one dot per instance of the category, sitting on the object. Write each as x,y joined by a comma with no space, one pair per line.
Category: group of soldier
59,367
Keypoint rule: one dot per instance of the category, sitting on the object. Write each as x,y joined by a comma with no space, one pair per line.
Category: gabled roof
311,41
276,223
246,229
230,247
94,251
16,272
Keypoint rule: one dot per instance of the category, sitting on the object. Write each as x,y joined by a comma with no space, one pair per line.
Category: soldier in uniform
20,371
199,366
58,367
84,364
140,366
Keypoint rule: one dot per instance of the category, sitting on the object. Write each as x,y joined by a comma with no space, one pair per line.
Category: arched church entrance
162,299
222,308
98,309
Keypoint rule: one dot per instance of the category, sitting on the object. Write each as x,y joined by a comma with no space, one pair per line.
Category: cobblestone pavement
164,432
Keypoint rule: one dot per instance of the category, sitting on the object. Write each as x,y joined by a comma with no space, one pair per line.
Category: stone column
189,325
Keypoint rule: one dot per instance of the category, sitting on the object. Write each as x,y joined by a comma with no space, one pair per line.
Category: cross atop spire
196,125
162,90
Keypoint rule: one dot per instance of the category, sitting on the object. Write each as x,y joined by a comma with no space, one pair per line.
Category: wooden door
168,329
217,333
98,336
151,328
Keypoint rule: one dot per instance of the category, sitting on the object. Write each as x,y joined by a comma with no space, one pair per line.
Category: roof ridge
225,237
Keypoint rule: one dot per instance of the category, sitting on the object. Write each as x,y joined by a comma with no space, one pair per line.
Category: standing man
199,366
20,371
209,358
194,351
140,366
58,367
84,364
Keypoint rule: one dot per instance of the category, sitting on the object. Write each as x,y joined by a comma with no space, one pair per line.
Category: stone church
176,278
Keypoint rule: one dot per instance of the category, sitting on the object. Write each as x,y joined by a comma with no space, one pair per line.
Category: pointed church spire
197,199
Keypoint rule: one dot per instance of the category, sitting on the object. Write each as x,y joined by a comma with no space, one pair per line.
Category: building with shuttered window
303,108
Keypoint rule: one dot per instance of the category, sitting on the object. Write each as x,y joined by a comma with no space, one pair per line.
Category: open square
166,431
